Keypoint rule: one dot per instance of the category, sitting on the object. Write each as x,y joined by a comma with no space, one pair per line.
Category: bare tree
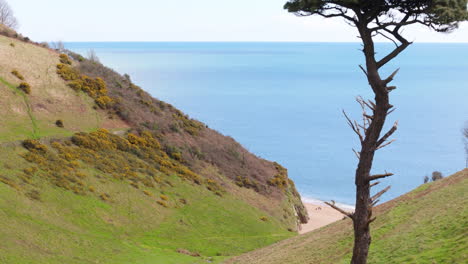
386,19
92,56
6,15
58,45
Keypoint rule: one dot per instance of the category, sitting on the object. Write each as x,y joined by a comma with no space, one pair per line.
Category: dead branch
358,154
387,135
390,78
391,88
379,176
377,195
372,220
385,144
363,70
332,205
374,184
353,127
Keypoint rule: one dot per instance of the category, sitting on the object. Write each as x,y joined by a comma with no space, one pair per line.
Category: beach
320,215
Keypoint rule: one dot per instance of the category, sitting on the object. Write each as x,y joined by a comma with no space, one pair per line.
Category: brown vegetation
17,74
25,87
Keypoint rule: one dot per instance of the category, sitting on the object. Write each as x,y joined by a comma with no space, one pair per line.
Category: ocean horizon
283,102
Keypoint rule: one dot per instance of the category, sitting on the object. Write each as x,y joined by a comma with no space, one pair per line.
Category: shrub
91,189
437,175
34,146
25,87
163,204
147,193
17,74
264,218
65,59
59,123
426,179
12,44
163,197
281,178
94,87
104,197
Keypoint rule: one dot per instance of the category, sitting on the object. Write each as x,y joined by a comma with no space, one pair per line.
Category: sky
188,20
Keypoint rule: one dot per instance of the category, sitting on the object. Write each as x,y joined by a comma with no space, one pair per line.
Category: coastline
321,214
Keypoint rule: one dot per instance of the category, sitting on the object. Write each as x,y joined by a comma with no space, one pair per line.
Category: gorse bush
65,59
138,160
25,87
280,179
94,87
17,74
34,146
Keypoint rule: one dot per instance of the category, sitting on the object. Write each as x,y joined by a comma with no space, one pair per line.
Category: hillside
95,170
427,225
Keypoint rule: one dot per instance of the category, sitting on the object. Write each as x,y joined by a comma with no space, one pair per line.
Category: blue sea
283,102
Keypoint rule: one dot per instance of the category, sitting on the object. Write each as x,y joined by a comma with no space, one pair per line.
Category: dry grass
50,98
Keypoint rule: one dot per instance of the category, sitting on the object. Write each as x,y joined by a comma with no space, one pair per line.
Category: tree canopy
440,15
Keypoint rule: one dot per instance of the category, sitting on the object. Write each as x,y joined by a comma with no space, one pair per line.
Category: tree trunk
363,212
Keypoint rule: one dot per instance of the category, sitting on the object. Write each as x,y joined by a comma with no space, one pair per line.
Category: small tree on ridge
6,15
384,18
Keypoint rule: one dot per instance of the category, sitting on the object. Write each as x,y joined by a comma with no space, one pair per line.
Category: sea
284,102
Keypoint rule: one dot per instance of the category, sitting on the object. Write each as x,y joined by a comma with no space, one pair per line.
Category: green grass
427,225
131,228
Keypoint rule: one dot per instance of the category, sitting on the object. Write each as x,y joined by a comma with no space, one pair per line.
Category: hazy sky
186,20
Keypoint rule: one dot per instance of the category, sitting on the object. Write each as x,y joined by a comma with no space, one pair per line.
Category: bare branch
379,176
390,78
391,88
363,70
387,135
393,54
372,220
358,154
377,195
385,144
332,205
374,184
372,105
353,127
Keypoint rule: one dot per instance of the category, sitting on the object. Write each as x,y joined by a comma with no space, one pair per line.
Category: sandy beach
320,215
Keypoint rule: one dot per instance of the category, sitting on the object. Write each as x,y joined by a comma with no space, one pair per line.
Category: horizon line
242,41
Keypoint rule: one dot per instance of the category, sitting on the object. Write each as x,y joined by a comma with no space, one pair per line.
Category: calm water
283,102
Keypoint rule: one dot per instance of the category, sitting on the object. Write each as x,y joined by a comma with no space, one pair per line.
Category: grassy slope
427,225
33,116
63,227
130,228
